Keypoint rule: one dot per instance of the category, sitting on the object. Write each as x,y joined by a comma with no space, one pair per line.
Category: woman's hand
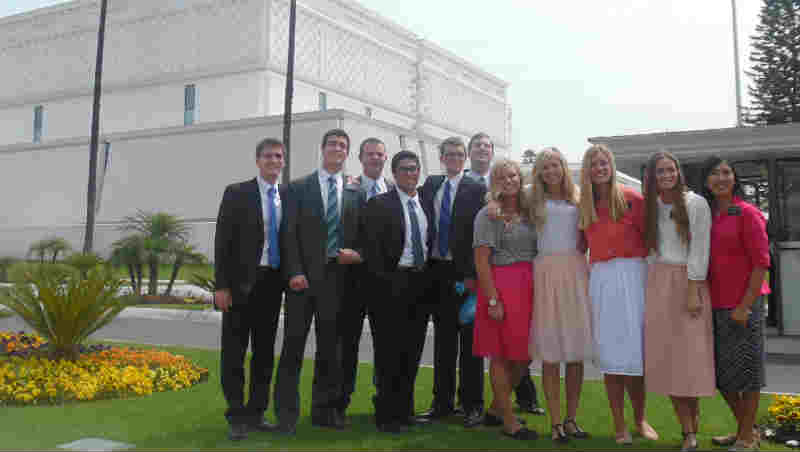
494,210
695,301
496,311
740,315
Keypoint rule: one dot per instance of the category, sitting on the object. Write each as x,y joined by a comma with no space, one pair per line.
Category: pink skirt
562,328
507,338
678,349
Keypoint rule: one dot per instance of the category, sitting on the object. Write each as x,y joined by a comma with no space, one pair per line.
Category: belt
267,268
434,260
332,260
410,268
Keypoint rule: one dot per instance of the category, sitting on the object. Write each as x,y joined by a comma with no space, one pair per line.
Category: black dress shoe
238,432
522,434
459,411
393,427
490,420
417,420
330,419
262,426
436,413
286,429
473,418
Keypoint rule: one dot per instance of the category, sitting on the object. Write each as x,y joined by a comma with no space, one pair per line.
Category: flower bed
28,377
784,418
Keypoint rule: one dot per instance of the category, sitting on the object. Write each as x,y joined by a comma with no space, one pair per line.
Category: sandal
490,420
577,431
523,434
728,440
692,447
624,439
558,434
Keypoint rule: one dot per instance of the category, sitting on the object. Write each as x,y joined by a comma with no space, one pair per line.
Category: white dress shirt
407,258
477,177
437,209
323,188
263,188
670,247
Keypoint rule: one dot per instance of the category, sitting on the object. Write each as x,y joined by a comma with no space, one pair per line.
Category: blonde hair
495,192
616,199
536,193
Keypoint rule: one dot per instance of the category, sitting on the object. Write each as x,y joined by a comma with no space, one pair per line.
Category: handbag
466,314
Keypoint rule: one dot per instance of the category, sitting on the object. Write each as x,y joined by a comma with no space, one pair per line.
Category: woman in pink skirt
504,251
678,335
561,329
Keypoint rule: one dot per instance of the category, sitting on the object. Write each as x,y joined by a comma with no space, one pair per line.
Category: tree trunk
175,267
139,271
152,287
55,255
133,278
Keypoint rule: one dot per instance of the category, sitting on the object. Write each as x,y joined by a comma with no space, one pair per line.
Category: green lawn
187,307
192,420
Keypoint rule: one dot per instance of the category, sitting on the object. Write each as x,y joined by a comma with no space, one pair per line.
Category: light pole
88,239
736,66
287,107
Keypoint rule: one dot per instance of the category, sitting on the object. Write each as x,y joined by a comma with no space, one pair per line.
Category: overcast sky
585,68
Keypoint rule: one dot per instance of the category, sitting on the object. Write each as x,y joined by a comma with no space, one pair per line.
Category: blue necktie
272,230
332,217
416,236
444,221
373,191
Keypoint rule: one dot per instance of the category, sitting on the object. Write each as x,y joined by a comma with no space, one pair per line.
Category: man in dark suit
360,286
323,213
481,153
247,263
399,234
455,201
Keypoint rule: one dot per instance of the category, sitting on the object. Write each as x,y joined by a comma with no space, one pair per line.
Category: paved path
202,329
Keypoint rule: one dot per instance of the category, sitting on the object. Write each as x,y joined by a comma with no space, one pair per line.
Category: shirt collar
404,197
324,175
455,180
264,186
372,181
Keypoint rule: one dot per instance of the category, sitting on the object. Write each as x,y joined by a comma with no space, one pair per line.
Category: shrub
5,264
65,308
84,262
19,272
784,415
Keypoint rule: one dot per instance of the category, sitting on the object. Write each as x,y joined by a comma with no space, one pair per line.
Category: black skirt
739,352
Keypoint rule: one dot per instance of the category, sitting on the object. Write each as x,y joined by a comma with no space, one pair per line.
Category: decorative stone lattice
452,103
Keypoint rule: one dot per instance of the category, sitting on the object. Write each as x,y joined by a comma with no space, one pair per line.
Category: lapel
463,186
254,193
315,195
397,211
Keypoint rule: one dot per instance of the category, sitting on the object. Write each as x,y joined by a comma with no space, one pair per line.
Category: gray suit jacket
304,243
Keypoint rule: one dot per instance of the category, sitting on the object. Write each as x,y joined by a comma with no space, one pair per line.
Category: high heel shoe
558,434
624,439
692,446
577,431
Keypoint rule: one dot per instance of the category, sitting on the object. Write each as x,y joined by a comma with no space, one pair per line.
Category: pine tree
776,68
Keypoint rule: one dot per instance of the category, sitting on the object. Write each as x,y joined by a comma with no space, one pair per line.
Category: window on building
368,112
38,123
323,101
190,104
403,142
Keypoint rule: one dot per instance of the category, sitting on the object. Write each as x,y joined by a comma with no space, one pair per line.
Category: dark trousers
526,391
452,344
322,305
355,308
255,323
401,328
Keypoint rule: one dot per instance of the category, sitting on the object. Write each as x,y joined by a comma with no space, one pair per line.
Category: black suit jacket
304,245
467,202
239,238
385,232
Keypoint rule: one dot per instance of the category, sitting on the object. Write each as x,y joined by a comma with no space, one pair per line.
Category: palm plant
39,248
129,251
65,308
182,253
58,245
160,231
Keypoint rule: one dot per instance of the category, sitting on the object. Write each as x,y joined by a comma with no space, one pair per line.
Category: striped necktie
274,252
332,217
416,235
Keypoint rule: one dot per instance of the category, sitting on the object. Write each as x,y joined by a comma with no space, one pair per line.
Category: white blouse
670,247
560,231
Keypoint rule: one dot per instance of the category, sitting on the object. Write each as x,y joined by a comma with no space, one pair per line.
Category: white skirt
617,292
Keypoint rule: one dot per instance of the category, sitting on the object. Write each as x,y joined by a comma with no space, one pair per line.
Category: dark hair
452,141
708,166
403,155
680,213
370,140
336,133
268,143
477,137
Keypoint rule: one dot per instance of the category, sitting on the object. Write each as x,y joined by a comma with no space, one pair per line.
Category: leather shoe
262,426
473,418
490,420
393,427
238,432
532,409
329,419
459,411
435,413
417,420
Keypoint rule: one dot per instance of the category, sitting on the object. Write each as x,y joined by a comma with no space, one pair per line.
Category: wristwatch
492,302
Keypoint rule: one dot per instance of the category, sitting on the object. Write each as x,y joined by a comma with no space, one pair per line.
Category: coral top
609,240
738,245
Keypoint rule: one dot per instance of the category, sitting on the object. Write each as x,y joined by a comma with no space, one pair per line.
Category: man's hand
222,298
347,256
298,283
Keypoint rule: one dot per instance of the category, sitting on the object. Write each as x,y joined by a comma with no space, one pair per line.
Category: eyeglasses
408,169
454,155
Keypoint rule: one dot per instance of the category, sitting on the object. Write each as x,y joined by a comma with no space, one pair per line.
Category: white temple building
190,87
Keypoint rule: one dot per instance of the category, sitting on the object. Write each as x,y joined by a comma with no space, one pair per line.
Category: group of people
668,299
